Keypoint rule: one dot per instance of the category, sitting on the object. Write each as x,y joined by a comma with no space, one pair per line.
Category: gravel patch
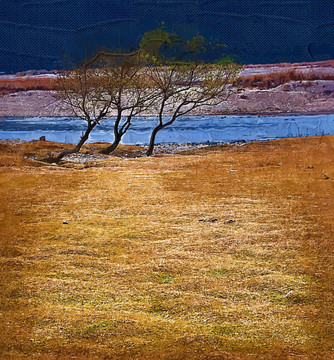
172,148
83,158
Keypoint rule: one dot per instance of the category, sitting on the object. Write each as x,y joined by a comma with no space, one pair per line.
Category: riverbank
223,251
248,102
306,88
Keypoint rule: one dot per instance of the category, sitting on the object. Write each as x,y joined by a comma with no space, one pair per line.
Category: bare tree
127,84
88,93
107,84
186,86
133,95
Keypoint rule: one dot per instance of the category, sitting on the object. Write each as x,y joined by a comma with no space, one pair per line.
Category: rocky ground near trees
172,148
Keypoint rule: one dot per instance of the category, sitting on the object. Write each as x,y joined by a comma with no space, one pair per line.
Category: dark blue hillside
38,34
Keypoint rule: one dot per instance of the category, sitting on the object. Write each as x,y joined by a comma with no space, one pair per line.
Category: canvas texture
43,34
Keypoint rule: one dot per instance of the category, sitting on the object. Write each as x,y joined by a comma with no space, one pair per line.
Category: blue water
196,129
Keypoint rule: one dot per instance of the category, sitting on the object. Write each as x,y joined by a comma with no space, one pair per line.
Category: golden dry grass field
169,257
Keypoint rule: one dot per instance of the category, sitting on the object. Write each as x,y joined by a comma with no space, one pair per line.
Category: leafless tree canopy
94,93
133,95
185,87
88,93
126,89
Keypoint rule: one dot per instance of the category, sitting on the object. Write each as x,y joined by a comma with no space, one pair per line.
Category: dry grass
150,265
272,80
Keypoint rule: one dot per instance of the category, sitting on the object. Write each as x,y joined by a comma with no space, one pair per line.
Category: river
195,129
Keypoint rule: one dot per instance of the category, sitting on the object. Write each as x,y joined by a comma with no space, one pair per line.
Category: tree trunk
117,135
84,138
151,144
113,146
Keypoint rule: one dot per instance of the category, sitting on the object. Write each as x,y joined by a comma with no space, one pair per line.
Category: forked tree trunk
117,135
113,146
151,144
84,138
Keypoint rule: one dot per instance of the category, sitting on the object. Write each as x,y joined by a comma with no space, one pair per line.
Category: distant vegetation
274,79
